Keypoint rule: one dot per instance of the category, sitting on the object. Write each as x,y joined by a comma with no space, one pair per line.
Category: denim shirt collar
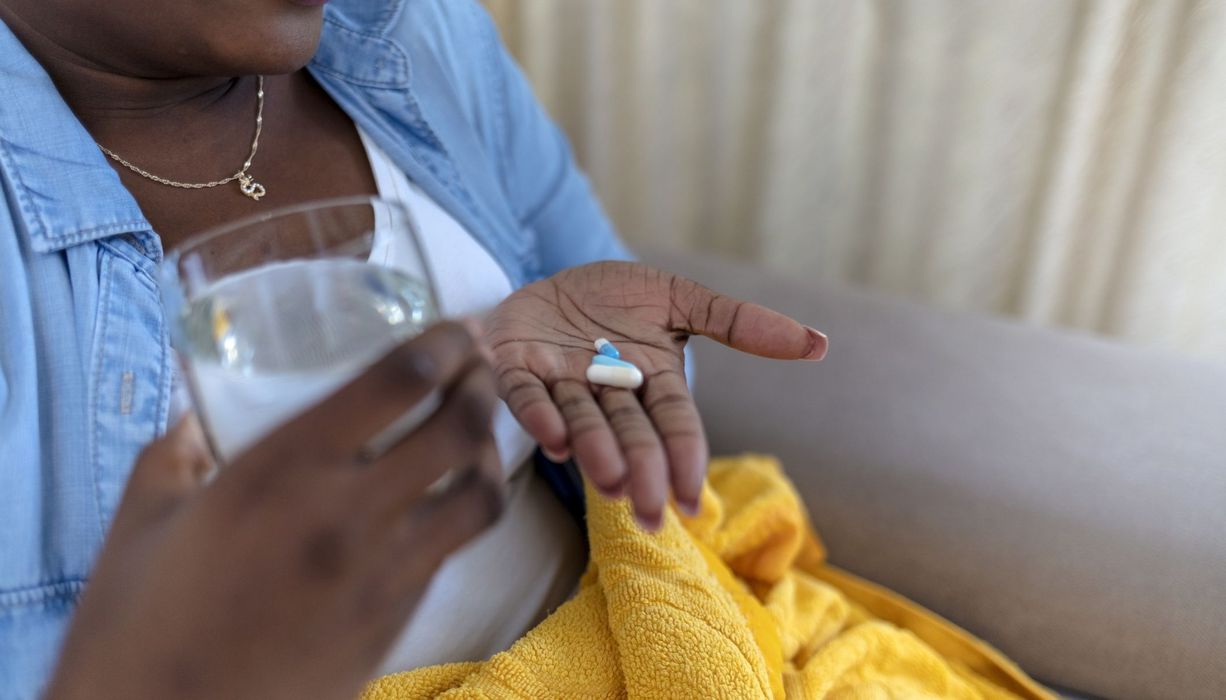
353,46
67,192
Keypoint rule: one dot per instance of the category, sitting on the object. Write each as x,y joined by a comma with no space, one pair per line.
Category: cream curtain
1062,161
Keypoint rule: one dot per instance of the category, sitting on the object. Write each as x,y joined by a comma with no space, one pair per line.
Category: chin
275,48
285,60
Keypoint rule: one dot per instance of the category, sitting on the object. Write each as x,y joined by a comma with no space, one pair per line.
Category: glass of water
271,314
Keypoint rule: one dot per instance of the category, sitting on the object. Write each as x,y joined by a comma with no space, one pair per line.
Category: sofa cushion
1062,496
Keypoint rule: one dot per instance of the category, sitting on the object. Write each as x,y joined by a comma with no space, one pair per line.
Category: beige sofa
1061,496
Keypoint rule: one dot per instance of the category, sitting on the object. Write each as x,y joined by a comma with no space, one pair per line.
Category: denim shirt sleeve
431,82
550,195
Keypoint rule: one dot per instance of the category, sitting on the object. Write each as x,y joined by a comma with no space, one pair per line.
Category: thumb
743,325
168,471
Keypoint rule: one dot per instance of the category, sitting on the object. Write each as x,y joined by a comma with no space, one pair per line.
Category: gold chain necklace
246,184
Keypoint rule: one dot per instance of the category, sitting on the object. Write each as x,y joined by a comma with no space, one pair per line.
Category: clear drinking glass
271,314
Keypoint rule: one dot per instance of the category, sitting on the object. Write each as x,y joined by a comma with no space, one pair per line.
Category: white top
468,280
491,592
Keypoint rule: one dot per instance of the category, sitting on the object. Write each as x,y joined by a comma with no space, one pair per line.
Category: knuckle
685,435
574,406
325,554
277,472
570,389
413,364
625,416
295,449
671,401
521,396
587,424
643,444
514,377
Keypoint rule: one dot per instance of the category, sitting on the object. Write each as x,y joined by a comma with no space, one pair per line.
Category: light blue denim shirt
85,370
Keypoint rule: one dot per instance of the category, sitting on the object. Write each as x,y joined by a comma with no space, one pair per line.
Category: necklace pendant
251,188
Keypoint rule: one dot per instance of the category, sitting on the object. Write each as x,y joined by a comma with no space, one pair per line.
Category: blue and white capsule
607,361
608,369
621,377
608,349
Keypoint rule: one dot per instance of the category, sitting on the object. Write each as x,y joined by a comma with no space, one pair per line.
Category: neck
119,104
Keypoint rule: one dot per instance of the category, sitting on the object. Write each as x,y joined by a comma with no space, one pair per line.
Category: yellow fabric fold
737,602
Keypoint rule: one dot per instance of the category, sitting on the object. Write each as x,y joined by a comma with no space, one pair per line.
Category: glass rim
198,239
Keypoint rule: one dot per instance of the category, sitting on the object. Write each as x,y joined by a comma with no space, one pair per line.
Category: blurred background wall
1062,161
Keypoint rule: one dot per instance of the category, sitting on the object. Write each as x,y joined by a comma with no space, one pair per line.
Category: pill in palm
611,362
620,377
604,347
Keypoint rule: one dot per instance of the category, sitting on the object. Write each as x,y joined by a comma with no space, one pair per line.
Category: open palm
640,443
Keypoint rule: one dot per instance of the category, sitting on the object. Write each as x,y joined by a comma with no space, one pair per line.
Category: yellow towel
735,603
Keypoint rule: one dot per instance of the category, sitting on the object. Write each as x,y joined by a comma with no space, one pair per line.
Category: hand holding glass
271,314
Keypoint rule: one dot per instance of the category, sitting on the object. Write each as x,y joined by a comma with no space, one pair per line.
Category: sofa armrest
1061,496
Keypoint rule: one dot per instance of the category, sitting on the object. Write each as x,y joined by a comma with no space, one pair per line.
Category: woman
292,558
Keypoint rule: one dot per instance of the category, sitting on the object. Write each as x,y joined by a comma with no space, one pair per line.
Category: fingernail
614,492
649,523
818,345
555,457
690,508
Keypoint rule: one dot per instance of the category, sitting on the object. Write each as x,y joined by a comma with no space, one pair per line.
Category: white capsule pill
620,377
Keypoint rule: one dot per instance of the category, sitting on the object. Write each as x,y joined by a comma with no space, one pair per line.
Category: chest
308,150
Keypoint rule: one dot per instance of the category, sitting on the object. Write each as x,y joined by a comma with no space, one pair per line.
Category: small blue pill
611,362
604,347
